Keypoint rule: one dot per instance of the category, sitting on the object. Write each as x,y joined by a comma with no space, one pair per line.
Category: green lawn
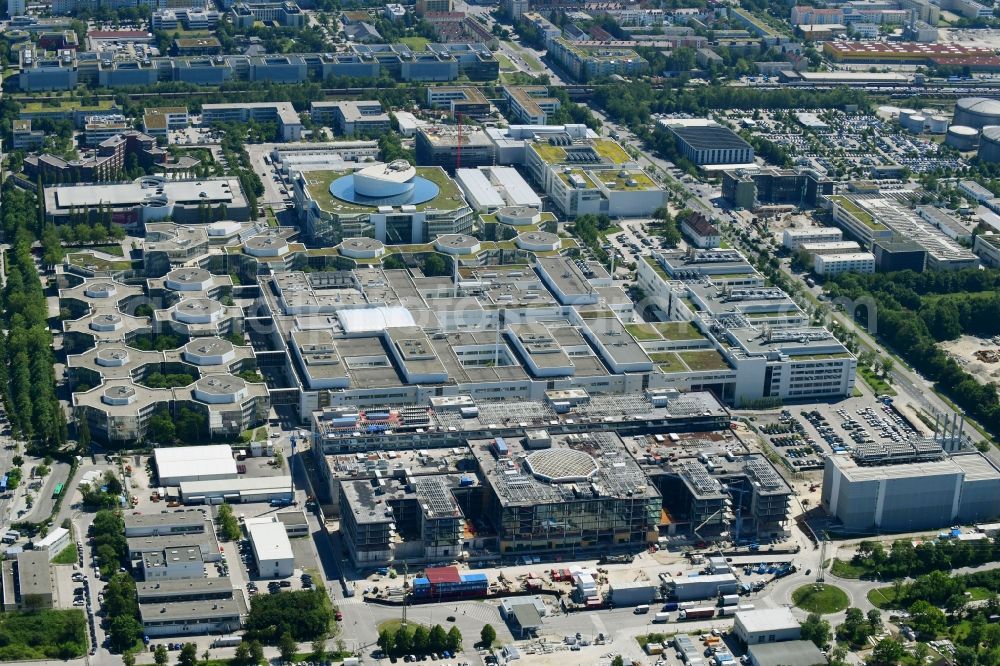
820,598
704,360
416,43
844,569
877,384
66,556
883,597
505,64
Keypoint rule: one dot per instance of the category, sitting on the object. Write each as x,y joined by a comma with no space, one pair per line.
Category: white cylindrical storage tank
989,144
904,115
937,124
915,123
962,138
978,112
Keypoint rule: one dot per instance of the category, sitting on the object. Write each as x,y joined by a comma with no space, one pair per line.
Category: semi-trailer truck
702,613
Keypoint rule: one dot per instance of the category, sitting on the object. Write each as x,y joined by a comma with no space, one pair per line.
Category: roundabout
821,598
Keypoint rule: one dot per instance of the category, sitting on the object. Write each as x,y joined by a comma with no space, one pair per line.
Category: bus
58,491
3,484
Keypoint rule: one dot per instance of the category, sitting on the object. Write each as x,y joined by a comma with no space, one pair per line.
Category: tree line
945,303
903,559
633,103
418,640
26,360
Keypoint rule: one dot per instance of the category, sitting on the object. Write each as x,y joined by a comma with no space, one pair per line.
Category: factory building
271,548
189,618
707,143
194,463
910,487
766,625
149,199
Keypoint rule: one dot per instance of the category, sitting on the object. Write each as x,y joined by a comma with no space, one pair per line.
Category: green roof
858,212
678,330
704,360
318,186
66,105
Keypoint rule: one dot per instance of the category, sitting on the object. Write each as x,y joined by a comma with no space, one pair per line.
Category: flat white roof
360,320
52,537
270,541
518,190
192,461
184,191
478,188
766,619
251,485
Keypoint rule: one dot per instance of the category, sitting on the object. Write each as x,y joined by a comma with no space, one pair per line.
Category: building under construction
575,493
416,518
717,494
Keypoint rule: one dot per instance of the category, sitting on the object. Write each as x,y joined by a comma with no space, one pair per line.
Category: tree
403,641
242,656
454,642
888,652
160,656
438,638
229,526
434,264
128,658
83,434
816,629
927,620
618,661
874,618
124,632
386,641
421,640
256,652
319,653
286,646
488,635
305,614
188,655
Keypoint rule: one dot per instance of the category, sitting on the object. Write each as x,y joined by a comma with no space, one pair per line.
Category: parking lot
804,437
848,143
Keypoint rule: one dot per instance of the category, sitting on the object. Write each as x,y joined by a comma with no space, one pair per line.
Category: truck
726,611
641,610
702,613
281,502
227,641
669,606
661,618
730,599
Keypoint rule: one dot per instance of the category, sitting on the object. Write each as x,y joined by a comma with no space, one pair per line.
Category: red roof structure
439,575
